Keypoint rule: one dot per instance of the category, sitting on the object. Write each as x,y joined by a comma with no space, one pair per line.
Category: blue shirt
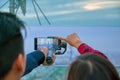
33,60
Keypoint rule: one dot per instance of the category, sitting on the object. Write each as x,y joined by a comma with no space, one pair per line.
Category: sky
71,12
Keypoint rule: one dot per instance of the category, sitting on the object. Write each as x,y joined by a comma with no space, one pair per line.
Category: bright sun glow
92,7
101,5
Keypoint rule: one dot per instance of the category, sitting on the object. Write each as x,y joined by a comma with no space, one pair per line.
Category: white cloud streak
55,13
101,5
78,7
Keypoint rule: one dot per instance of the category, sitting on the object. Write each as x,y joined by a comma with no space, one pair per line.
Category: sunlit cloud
74,4
72,10
101,5
82,6
92,7
78,7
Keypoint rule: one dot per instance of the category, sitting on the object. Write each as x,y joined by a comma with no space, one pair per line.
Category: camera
54,46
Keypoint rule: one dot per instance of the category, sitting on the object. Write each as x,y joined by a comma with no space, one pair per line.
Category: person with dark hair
12,56
91,65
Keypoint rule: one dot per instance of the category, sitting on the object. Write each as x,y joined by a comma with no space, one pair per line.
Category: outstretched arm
74,40
34,59
84,48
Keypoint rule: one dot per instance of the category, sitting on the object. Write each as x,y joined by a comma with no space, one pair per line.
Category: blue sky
72,12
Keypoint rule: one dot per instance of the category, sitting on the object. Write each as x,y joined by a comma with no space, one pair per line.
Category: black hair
92,67
11,41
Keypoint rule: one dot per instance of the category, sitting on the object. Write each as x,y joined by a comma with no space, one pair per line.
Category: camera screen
44,41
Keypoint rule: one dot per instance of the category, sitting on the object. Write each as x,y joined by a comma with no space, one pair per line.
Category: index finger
61,38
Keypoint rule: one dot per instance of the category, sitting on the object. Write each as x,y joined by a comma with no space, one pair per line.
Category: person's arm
34,59
75,41
84,48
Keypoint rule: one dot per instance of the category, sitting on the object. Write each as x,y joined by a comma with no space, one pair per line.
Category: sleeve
33,60
84,48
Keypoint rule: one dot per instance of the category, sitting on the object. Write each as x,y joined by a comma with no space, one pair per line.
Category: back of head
11,41
92,67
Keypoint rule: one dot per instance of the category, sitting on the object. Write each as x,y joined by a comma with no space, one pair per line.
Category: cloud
72,4
76,7
92,7
55,13
101,5
59,10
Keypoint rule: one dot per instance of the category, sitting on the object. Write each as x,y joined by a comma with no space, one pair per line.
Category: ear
20,63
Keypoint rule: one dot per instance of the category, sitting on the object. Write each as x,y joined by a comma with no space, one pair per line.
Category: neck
12,75
11,78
